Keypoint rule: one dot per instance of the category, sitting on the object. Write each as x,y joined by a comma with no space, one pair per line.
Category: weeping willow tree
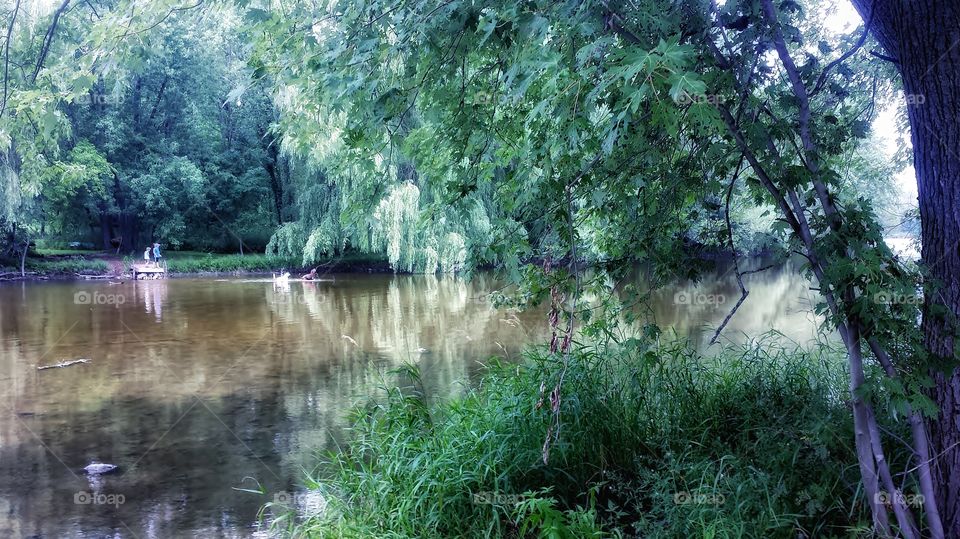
397,225
347,198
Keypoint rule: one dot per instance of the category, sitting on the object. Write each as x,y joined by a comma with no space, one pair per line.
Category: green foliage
124,132
70,266
525,138
654,443
396,218
77,187
166,195
229,263
287,240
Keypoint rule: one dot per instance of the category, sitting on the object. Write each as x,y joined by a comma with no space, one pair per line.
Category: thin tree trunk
870,457
921,448
156,104
137,90
862,428
23,257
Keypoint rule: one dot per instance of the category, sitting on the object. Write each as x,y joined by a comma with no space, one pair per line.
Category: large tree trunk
923,36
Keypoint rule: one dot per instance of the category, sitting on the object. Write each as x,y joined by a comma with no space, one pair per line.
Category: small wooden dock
148,271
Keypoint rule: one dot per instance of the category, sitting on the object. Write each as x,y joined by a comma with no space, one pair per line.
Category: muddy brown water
200,390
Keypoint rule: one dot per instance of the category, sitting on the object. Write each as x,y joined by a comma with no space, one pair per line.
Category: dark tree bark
156,104
923,37
105,235
126,220
48,39
271,166
135,99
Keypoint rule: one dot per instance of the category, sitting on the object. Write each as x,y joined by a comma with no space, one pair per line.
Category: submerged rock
99,468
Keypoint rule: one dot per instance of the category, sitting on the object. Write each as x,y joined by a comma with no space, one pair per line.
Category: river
201,390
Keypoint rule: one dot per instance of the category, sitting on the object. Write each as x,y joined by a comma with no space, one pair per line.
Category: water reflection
780,300
153,293
195,385
198,387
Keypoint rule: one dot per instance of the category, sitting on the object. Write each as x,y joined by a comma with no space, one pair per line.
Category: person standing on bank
156,254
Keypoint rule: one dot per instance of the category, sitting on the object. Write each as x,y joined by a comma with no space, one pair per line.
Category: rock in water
99,468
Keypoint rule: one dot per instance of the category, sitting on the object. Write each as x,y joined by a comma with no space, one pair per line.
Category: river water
201,390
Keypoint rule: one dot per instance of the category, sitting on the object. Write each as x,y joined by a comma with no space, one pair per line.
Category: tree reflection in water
198,387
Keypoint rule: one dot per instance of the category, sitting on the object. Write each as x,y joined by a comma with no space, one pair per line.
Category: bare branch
733,249
890,59
48,39
863,39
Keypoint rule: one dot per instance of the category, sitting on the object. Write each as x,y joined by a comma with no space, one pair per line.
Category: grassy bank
68,265
64,262
191,262
757,443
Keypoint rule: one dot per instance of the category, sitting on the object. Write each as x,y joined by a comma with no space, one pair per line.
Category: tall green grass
653,443
67,252
193,262
227,263
69,265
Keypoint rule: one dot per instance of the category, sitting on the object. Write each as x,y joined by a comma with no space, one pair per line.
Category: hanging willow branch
6,58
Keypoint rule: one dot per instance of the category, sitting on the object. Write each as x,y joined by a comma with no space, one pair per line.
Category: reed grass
755,442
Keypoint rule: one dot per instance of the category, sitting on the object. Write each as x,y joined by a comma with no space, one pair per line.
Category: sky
845,20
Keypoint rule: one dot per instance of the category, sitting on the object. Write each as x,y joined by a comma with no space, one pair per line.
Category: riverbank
69,265
651,442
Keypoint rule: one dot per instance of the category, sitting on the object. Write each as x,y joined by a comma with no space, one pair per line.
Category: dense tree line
145,144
